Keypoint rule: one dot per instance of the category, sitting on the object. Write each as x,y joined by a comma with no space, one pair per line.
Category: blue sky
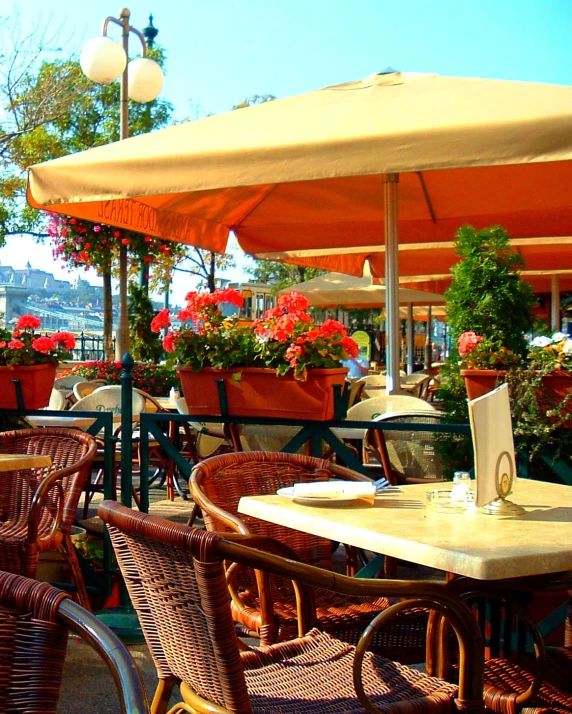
219,51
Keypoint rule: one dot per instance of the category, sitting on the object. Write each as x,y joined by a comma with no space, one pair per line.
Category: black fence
89,347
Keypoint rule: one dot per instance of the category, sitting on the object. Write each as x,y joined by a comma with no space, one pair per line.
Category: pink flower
28,322
350,346
15,344
467,342
43,344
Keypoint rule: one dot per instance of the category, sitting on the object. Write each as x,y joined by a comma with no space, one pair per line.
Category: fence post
126,428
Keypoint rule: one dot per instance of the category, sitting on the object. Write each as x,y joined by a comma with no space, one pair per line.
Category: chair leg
162,695
69,553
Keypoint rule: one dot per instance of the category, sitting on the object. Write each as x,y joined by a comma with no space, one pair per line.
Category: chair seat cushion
313,675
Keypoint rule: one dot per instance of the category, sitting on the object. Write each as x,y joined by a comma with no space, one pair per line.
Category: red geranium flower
28,322
43,344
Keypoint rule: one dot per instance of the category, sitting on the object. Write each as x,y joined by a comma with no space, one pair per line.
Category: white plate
288,492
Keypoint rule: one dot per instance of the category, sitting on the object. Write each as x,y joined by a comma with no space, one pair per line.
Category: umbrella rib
427,198
262,198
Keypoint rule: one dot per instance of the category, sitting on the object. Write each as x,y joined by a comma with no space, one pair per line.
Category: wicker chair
34,623
514,680
82,389
106,398
38,506
267,608
406,456
177,583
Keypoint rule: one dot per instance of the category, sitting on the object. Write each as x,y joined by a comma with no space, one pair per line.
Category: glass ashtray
440,500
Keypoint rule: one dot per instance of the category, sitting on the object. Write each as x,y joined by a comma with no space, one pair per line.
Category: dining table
466,542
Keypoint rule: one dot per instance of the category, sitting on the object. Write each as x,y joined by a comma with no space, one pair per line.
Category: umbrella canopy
336,289
321,171
306,172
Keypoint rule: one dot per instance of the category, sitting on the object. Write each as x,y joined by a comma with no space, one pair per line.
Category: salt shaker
460,488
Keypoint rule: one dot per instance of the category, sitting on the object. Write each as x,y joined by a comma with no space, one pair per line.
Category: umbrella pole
390,197
410,340
555,320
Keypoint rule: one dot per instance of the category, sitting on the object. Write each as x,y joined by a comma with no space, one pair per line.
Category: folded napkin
335,489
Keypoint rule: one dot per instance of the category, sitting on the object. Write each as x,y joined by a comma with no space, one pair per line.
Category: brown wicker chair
514,680
176,579
268,608
38,506
34,622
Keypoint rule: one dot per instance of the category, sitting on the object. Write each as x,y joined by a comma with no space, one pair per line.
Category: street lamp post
103,61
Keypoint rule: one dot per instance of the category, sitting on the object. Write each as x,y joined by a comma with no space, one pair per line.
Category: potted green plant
489,308
31,359
282,364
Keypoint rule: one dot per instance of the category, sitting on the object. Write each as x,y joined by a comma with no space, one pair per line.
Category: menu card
493,444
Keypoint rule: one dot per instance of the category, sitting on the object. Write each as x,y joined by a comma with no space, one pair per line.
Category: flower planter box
37,382
481,381
258,392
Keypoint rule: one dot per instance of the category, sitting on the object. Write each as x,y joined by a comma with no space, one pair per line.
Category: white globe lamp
103,60
145,79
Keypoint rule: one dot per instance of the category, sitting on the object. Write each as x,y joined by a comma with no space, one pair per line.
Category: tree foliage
281,275
487,294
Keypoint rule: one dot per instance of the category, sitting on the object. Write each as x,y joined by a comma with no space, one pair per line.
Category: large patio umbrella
337,289
321,171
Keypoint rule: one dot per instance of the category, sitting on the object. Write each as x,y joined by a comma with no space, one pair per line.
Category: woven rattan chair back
177,585
82,389
372,408
218,483
34,622
406,456
108,398
66,384
38,506
209,439
58,401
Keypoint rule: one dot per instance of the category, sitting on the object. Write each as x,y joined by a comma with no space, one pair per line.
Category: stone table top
13,462
468,543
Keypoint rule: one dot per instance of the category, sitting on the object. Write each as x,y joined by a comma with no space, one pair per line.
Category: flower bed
155,379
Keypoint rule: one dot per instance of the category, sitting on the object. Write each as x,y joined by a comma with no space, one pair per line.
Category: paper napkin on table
335,489
493,443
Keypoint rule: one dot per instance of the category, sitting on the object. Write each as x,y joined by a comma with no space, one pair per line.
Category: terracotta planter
37,383
481,381
258,392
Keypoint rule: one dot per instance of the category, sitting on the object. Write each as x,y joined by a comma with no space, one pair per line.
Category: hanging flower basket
37,382
259,392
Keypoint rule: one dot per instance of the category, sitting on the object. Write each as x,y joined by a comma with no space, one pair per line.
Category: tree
205,264
281,275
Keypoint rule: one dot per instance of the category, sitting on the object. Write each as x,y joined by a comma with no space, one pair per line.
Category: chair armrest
127,679
305,600
51,480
